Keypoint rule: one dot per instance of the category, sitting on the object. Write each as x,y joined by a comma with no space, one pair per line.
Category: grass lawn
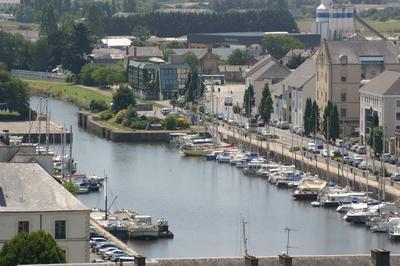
8,25
76,94
387,27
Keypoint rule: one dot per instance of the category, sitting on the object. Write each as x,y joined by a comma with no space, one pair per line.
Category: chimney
380,257
285,260
209,47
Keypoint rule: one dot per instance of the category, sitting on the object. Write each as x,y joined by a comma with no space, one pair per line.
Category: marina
204,199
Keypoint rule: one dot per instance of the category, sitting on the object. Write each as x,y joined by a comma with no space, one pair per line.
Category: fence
35,75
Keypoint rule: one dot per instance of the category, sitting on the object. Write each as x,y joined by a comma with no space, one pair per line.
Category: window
343,76
59,230
343,96
343,112
398,103
23,227
290,95
343,60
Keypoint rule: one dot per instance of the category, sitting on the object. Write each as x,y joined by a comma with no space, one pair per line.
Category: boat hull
305,196
196,152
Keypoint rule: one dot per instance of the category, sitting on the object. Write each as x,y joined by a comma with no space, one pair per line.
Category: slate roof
27,187
146,51
267,67
222,53
358,48
301,74
386,83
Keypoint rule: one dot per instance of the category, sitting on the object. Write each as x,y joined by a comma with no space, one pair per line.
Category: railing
36,75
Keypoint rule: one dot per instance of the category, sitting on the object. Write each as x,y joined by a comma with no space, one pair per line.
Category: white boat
395,234
241,164
359,217
344,208
253,166
224,158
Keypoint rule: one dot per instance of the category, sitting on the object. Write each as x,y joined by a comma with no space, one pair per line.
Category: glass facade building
156,81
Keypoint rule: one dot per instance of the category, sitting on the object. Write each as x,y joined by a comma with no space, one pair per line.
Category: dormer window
343,59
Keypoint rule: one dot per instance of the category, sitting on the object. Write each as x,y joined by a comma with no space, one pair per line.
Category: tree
376,140
248,100
308,117
67,23
122,99
191,59
14,92
238,57
375,119
48,24
331,122
295,61
94,20
129,6
31,248
170,122
279,45
266,107
141,32
193,88
41,55
315,118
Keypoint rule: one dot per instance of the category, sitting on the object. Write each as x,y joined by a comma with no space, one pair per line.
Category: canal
203,202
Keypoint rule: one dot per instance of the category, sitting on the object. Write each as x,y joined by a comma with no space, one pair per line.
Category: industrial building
226,39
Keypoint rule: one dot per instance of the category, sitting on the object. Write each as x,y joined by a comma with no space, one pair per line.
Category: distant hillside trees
178,24
223,5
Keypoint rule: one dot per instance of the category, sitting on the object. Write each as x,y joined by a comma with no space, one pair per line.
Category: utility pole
288,230
246,250
328,152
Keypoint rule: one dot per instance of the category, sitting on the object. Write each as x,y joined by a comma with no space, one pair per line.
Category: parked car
283,125
354,148
386,157
105,250
393,159
346,159
94,240
355,161
339,143
364,166
395,177
361,150
166,111
102,245
122,259
113,253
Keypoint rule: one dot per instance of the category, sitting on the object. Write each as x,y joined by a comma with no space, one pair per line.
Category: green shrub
120,116
170,122
139,124
96,106
106,115
182,123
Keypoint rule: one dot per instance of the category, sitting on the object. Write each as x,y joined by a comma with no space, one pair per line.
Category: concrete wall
76,243
8,152
44,160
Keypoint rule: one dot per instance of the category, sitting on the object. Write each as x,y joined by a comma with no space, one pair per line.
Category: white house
32,200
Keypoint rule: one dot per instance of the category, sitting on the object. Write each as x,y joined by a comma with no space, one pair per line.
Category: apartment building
342,66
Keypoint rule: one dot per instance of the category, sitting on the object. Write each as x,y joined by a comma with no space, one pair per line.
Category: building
342,65
232,73
9,4
226,39
381,95
267,71
106,56
143,54
299,86
116,42
156,80
207,58
32,200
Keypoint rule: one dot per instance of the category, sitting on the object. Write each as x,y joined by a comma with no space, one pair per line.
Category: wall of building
76,243
8,152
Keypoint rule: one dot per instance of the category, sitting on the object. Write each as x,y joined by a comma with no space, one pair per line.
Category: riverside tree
248,100
266,105
31,248
122,99
315,118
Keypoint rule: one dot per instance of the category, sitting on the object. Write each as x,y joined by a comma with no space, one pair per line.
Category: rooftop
146,51
27,187
358,48
386,83
301,74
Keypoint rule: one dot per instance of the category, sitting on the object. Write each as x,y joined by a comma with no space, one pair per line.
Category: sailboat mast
105,198
70,150
47,127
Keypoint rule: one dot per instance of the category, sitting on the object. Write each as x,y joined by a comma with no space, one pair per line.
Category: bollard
250,260
380,257
285,260
140,260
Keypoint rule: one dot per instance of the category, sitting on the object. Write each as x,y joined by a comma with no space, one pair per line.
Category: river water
203,202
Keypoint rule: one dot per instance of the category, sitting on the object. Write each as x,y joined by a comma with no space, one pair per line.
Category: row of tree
311,118
177,24
92,75
223,5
